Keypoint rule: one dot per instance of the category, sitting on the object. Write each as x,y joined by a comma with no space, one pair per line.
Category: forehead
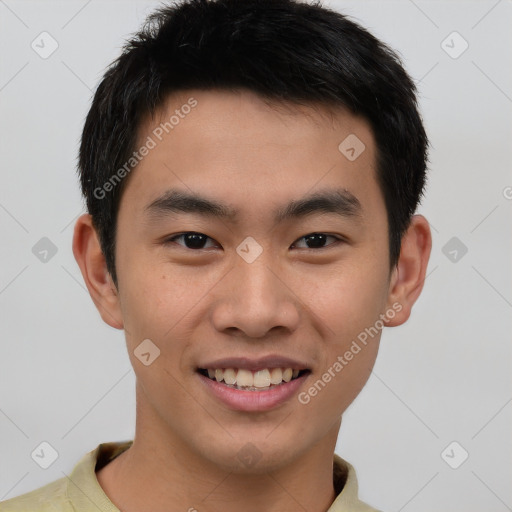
252,152
255,113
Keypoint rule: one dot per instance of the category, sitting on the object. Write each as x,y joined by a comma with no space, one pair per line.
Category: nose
255,298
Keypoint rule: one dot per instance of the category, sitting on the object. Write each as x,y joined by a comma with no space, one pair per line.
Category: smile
247,380
255,388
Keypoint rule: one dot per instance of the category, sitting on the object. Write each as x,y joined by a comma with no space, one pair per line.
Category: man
251,170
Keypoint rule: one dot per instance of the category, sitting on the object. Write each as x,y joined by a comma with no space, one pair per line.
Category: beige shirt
81,492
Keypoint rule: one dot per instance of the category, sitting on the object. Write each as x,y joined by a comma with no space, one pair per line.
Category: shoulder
347,489
49,498
80,491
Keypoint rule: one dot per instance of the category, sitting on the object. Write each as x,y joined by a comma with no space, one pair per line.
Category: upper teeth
247,378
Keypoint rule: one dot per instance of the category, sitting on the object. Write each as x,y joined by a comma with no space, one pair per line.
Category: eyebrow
338,201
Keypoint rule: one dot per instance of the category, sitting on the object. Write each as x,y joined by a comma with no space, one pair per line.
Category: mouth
253,384
249,385
255,381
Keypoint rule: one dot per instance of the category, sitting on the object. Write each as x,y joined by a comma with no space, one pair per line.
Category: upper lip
254,364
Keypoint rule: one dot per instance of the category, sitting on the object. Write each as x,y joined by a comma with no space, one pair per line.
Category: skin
200,305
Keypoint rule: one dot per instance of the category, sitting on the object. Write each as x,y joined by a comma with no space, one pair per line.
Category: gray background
65,377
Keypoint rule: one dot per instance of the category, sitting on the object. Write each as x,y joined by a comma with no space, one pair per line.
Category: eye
191,239
196,241
317,240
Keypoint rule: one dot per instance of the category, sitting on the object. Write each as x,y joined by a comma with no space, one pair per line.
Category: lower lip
241,400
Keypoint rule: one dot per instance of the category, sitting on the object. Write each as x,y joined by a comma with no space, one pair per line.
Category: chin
253,455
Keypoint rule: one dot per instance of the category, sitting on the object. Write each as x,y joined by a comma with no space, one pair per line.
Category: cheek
152,302
165,304
153,309
349,300
349,309
332,392
150,295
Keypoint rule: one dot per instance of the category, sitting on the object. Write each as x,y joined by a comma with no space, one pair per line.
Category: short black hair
283,50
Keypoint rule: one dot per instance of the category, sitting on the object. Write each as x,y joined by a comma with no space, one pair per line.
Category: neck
160,474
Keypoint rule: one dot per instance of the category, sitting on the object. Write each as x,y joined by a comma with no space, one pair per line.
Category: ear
92,263
409,275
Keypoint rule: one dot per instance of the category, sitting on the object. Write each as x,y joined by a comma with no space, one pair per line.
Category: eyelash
175,237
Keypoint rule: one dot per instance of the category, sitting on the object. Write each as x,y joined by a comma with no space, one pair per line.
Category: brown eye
317,241
191,240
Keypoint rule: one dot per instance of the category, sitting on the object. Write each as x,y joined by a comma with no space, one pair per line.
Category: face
266,280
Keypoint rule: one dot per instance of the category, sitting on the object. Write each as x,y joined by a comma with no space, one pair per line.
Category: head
304,131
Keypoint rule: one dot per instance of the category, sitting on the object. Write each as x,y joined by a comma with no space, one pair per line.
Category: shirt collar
84,490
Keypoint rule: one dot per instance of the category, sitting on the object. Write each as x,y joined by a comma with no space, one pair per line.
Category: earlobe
409,275
91,260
